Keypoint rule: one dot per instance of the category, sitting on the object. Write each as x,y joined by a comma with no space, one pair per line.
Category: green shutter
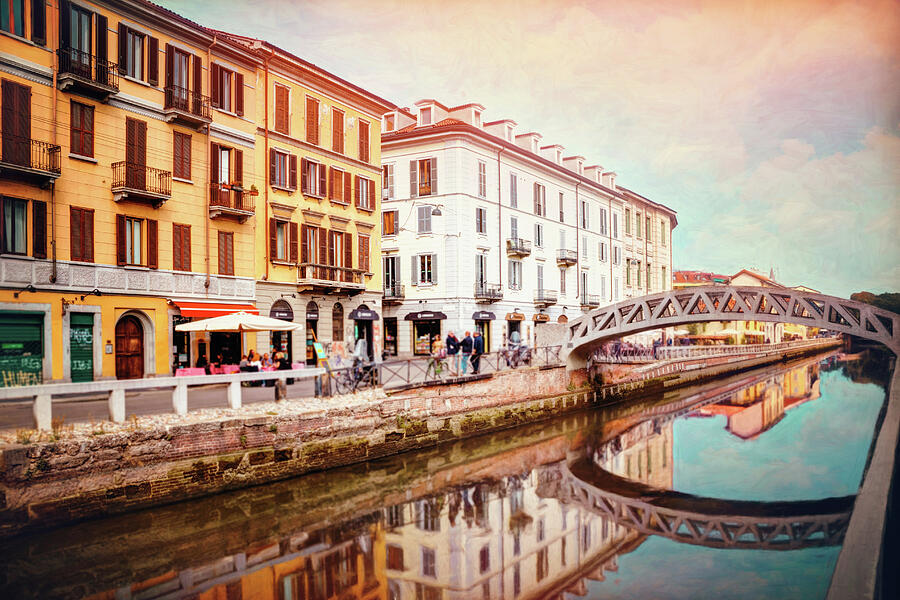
81,345
21,348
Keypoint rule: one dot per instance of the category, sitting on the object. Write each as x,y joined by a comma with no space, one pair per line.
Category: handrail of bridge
42,395
692,351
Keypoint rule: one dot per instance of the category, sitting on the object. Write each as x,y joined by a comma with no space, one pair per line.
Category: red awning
204,310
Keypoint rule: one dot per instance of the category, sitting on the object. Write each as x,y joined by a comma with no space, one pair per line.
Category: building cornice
287,139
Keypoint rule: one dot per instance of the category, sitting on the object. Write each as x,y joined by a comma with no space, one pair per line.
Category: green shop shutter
81,344
21,348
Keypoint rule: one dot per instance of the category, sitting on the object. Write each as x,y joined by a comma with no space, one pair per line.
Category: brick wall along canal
491,517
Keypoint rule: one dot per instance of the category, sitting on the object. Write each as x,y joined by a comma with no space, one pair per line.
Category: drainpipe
499,218
266,158
55,63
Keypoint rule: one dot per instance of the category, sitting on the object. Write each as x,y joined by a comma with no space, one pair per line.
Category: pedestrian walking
452,345
477,351
465,349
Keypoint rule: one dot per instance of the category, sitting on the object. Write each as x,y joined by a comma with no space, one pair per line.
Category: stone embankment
154,461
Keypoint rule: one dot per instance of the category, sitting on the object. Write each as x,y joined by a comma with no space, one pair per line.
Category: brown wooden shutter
348,187
292,176
348,251
76,234
214,170
87,230
282,100
170,67
304,175
238,167
120,239
322,182
323,245
177,248
39,222
273,239
360,259
272,166
312,121
152,61
238,93
294,242
102,40
413,179
215,97
223,263
356,191
152,244
304,244
123,50
372,194
65,24
198,84
337,131
332,184
186,247
39,22
434,173
364,142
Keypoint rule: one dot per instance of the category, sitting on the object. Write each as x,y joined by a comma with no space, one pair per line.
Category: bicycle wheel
342,384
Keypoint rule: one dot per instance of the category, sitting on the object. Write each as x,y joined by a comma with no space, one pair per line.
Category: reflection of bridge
727,303
695,520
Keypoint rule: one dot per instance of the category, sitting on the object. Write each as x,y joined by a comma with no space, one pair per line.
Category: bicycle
350,379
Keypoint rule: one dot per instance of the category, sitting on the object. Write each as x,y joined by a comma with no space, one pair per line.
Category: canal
679,496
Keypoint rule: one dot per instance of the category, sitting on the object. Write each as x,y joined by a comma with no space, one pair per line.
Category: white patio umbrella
680,332
239,322
728,331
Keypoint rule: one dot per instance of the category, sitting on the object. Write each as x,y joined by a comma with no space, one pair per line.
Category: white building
486,228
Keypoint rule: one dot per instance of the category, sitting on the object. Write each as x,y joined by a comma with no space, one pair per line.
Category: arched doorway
129,348
281,341
363,318
312,330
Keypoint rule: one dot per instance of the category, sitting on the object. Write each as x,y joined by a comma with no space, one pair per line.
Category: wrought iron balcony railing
566,257
518,247
87,72
394,291
231,197
330,276
545,297
141,182
183,103
488,291
29,158
590,300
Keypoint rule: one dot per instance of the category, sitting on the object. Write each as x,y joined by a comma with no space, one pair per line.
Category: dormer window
389,122
476,118
509,133
425,116
558,156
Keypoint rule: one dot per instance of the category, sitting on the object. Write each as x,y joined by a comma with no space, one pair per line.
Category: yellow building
318,230
120,124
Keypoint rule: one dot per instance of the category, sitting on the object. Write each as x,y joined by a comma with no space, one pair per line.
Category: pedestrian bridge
710,522
728,303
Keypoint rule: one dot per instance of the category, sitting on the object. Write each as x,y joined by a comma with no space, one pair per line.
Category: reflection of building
642,453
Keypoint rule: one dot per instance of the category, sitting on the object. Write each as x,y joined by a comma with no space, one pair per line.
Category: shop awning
363,314
205,310
483,315
425,315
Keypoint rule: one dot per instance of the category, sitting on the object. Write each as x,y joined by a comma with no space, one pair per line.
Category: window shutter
102,40
152,239
198,82
186,247
177,250
304,174
76,234
141,132
337,131
322,183
372,194
120,239
239,94
123,50
331,256
87,232
348,179
434,182
39,221
214,86
413,179
304,244
65,24
238,175
323,245
170,66
273,239
434,274
272,172
361,252
364,142
356,191
294,242
333,185
38,22
153,61
415,269
312,121
213,167
348,251
280,109
223,265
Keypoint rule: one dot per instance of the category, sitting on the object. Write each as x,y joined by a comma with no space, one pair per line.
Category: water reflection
494,517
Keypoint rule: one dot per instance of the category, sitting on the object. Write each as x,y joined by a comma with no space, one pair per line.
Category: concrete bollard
280,390
179,400
117,406
234,394
43,412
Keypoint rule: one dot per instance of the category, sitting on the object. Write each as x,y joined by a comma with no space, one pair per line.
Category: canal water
496,516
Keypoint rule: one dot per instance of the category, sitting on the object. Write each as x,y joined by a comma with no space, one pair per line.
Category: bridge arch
728,303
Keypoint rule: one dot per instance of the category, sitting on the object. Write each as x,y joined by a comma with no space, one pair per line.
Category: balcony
589,301
326,279
85,73
230,201
393,294
140,183
485,293
518,247
28,160
545,298
566,257
186,107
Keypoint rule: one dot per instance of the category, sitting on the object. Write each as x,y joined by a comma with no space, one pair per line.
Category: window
662,275
389,122
662,232
539,235
648,277
482,179
584,247
82,129
227,89
363,243
313,178
424,219
12,16
181,247
562,281
484,559
585,215
513,228
133,241
637,224
540,200
337,130
387,181
364,144
615,225
425,116
543,563
627,222
130,244
423,177
428,563
617,255
562,204
14,236
281,240
603,230
134,53
280,164
513,190
282,109
602,252
515,275
638,273
647,229
312,120
540,277
181,155
603,287
517,581
428,515
615,289
394,557
426,269
337,322
226,253
517,543
481,220
81,234
365,193
480,270
628,271
389,223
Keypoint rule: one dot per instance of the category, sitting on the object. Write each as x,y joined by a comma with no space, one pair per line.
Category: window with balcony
482,179
480,270
82,129
282,109
481,220
389,223
423,177
423,219
540,277
387,181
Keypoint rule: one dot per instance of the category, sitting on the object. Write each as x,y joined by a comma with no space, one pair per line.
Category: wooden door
129,348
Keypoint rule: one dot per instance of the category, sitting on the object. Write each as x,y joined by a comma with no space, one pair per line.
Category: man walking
452,345
465,347
477,351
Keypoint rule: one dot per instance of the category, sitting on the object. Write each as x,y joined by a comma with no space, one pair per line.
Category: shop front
390,336
426,326
483,320
363,320
312,331
538,319
213,347
21,348
514,325
280,341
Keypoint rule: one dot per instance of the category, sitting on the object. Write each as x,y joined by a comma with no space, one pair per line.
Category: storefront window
337,323
424,334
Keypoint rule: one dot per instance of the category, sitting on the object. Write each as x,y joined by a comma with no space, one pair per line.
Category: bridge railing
666,352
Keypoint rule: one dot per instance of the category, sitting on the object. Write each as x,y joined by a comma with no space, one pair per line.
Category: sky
772,128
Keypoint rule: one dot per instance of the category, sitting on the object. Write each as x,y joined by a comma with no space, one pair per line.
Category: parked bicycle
359,376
